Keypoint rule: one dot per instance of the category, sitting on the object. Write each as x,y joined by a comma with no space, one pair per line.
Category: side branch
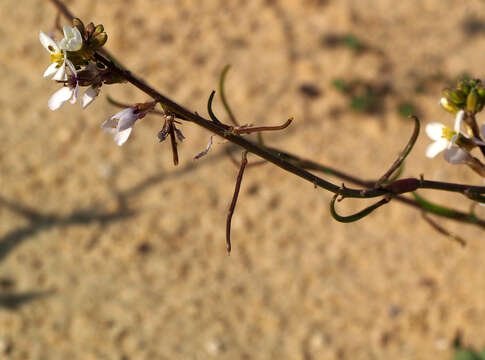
244,162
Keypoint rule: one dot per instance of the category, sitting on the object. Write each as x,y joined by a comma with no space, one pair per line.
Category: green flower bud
481,91
98,29
464,86
449,106
98,40
457,97
472,101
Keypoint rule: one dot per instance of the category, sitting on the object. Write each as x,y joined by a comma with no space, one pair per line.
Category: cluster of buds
468,95
464,101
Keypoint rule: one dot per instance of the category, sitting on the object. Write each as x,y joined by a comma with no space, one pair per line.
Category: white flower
444,139
436,131
58,66
121,124
72,40
70,91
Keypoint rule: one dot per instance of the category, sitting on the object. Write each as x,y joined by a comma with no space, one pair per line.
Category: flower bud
458,97
464,86
90,29
98,40
472,101
449,106
98,29
481,91
77,23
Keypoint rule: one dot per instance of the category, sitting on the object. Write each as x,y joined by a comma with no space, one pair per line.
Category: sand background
112,253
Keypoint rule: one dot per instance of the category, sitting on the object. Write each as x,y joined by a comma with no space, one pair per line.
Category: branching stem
289,162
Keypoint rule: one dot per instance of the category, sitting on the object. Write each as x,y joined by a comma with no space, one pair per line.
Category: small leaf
353,43
406,109
341,85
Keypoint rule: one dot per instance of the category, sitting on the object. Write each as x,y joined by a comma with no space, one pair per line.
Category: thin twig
238,164
223,96
209,108
421,205
403,154
357,216
244,162
252,129
173,141
442,230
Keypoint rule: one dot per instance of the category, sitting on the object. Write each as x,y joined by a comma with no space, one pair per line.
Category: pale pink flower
121,124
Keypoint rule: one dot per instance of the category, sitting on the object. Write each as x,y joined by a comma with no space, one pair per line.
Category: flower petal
127,119
122,113
482,128
70,64
48,43
109,125
207,148
458,121
435,148
478,141
72,40
89,95
434,130
455,155
50,70
75,93
61,73
59,98
122,136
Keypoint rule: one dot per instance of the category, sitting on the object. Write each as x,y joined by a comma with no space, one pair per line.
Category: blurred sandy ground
112,253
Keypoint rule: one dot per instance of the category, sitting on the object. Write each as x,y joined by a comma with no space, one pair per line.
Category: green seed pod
472,101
